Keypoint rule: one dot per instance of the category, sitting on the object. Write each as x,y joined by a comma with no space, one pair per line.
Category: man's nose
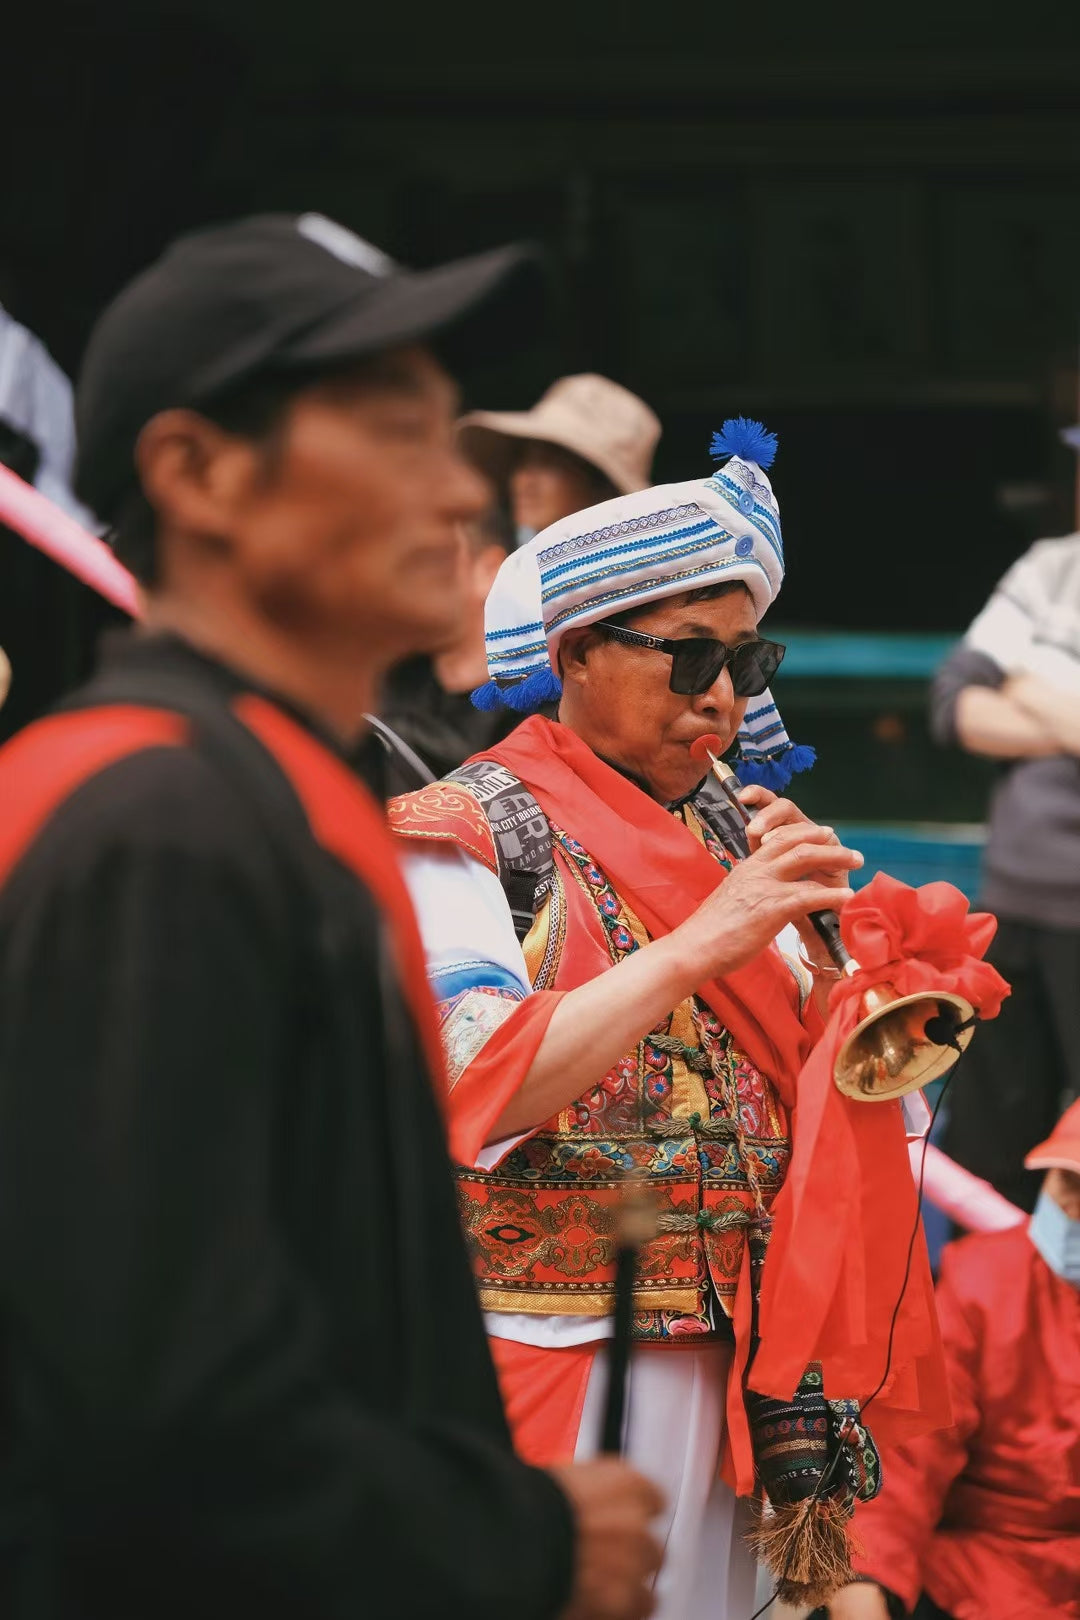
719,698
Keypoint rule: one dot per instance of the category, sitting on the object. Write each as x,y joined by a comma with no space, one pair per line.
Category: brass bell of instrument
901,1043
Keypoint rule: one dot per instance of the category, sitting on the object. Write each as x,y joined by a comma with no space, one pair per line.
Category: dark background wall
863,227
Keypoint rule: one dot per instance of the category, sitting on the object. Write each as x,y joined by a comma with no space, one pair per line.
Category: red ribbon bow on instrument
864,1307
919,939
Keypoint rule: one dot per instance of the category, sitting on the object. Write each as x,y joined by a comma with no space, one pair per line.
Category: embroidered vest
684,1109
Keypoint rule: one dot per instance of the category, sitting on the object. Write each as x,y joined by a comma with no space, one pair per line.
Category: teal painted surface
918,853
836,655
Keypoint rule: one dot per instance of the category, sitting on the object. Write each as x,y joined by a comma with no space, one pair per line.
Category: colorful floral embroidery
468,1020
722,1162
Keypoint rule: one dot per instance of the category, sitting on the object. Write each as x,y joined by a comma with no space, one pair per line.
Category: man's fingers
652,1497
808,897
756,794
641,1553
777,840
806,859
646,1604
777,813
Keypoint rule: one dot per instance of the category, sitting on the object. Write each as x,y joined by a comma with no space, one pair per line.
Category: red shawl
845,1216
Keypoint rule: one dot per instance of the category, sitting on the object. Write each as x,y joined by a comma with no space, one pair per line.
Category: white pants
674,1427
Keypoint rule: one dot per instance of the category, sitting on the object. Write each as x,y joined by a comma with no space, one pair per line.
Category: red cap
1061,1150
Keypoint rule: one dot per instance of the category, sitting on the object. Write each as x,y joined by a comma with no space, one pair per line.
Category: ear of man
574,650
194,473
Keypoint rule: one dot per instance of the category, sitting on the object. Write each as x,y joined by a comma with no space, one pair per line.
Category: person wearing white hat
612,1005
585,441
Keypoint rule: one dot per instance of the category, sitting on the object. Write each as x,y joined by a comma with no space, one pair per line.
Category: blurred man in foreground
983,1519
426,698
244,1368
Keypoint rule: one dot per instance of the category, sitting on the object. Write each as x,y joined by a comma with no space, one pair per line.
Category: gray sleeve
964,667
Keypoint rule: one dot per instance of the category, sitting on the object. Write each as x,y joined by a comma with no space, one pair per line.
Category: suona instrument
900,1043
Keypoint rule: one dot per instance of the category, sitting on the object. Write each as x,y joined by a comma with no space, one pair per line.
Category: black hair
254,409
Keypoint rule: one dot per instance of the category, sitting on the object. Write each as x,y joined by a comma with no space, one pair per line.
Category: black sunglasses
696,661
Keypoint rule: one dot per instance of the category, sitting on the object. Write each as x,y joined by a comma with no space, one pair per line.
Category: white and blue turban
636,549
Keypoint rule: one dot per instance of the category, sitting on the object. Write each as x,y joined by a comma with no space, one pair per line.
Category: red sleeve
484,1088
895,1529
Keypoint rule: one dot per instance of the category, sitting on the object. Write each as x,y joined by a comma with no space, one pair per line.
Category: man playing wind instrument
614,1004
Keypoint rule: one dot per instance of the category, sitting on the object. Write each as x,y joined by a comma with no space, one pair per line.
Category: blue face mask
1057,1238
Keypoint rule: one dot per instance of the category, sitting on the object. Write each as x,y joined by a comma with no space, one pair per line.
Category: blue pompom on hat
748,440
637,549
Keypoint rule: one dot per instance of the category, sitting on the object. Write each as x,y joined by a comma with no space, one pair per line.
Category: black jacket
244,1372
442,727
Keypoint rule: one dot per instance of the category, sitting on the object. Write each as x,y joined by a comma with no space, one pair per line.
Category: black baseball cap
271,292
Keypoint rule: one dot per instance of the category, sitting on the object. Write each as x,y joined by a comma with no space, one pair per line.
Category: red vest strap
46,763
347,821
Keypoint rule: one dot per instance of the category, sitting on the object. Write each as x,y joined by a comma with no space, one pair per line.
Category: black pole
611,1438
637,1225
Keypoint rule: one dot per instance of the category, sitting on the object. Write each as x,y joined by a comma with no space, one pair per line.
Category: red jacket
985,1516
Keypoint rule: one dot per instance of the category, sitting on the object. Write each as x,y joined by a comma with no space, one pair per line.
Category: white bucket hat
603,423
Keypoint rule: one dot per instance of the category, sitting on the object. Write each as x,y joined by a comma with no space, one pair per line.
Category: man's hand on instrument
797,867
771,812
617,1554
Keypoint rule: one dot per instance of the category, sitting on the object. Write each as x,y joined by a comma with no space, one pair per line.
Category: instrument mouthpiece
706,747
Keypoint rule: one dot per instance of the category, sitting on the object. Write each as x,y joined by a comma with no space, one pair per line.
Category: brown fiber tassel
806,1547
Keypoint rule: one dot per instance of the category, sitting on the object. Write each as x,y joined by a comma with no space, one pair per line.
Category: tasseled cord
542,686
775,774
807,1547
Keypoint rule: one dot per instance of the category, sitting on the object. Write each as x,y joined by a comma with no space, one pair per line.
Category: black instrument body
826,923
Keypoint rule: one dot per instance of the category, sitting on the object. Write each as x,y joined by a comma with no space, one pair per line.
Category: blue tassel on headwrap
542,686
776,773
750,441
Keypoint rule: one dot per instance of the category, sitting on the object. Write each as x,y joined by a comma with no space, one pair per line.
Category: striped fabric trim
648,522
760,516
660,585
649,543
531,650
515,630
668,553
